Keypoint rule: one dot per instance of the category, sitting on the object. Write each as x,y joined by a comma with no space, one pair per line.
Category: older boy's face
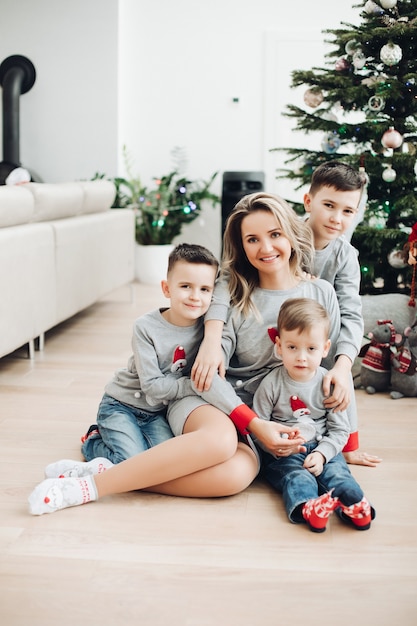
331,213
189,287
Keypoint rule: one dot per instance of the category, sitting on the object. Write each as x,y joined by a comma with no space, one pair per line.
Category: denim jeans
297,485
124,431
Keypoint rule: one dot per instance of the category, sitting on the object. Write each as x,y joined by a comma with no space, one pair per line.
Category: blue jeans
124,431
297,485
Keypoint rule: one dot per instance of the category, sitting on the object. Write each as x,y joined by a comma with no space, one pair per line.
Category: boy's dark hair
302,314
336,174
191,253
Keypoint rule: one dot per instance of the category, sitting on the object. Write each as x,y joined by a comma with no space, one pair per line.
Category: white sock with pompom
54,494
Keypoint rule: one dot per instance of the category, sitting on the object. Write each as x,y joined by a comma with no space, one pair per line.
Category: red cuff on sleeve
241,416
352,442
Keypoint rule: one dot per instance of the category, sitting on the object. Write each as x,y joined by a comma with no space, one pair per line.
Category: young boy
293,395
332,206
132,414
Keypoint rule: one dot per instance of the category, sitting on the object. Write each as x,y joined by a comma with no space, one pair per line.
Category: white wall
160,74
68,120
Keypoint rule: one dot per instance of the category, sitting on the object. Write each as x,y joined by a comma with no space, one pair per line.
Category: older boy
332,205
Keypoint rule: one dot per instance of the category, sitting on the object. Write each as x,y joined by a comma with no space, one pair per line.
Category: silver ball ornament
391,54
396,260
388,4
389,175
358,59
331,143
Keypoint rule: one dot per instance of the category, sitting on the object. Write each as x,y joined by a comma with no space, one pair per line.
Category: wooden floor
155,560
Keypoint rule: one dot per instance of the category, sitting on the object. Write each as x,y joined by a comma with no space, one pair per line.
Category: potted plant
161,211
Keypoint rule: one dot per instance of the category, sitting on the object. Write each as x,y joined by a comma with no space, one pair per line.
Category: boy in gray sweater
132,414
292,395
331,205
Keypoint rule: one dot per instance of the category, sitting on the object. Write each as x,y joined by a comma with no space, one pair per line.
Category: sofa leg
41,341
31,349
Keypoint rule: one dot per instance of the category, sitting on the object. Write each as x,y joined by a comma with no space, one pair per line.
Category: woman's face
265,245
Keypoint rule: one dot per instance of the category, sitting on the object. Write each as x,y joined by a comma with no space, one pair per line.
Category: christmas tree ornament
376,103
313,97
351,46
358,59
396,259
388,4
330,143
341,64
389,174
391,54
392,138
415,169
372,8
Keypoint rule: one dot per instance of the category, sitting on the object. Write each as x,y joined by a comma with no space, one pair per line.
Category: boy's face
331,213
189,286
302,353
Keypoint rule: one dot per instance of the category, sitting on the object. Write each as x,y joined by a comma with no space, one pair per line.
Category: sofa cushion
17,205
98,195
55,201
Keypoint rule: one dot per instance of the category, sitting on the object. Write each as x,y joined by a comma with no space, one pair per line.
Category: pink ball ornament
392,138
313,97
341,64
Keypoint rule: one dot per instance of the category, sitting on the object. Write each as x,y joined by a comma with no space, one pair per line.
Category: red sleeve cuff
352,442
241,416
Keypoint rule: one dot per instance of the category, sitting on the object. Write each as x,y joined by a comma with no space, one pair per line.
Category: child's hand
314,463
337,385
270,435
208,362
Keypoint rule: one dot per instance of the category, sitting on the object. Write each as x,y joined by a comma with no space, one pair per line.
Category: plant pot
151,263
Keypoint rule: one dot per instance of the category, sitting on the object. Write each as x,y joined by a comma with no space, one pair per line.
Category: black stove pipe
17,76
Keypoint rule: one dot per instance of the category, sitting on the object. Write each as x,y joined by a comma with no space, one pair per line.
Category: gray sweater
158,370
272,400
338,264
248,349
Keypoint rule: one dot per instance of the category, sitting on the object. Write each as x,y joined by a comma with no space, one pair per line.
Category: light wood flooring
154,560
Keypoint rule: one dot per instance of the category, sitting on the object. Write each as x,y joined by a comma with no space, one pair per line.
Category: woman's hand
209,359
270,435
337,385
356,457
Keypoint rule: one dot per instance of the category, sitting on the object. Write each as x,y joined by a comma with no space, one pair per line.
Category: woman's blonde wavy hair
243,278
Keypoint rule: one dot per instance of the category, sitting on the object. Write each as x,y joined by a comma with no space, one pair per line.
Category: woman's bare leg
224,479
209,438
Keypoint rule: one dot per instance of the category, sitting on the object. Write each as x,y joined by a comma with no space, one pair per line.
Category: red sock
317,511
359,514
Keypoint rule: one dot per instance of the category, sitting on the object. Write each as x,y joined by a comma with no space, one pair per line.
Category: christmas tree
364,106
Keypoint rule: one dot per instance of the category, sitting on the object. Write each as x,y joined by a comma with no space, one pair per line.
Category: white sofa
61,249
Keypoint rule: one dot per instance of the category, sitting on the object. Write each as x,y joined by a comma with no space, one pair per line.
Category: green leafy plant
162,210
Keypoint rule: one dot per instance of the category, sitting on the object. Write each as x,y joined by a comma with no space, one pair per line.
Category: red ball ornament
392,138
341,64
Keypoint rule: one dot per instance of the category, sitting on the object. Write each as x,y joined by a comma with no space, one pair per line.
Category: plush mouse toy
404,366
375,373
410,257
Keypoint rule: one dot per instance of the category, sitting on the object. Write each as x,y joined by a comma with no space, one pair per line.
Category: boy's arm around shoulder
347,284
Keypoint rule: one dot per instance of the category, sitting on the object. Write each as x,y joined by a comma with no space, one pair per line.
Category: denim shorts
124,431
